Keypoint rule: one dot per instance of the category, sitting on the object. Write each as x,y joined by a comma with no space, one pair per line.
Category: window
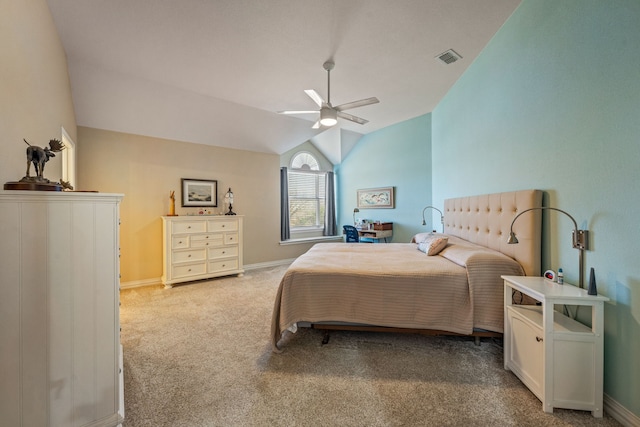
306,192
69,159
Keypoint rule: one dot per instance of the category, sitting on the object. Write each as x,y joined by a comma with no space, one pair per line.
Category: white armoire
60,353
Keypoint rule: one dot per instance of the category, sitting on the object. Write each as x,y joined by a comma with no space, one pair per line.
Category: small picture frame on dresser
199,193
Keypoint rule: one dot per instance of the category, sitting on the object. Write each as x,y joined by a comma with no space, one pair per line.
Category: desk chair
352,233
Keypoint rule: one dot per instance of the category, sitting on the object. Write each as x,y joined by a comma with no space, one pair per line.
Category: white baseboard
268,264
158,281
620,413
140,283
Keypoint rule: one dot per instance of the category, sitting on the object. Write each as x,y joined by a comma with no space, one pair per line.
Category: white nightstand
559,359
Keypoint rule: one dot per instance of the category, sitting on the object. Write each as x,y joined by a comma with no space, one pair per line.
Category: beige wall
146,169
35,99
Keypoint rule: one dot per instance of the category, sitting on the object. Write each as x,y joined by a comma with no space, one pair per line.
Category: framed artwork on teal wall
376,198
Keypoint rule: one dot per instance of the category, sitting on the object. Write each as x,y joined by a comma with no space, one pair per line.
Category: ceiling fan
328,113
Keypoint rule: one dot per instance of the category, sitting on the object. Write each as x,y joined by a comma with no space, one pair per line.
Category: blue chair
352,233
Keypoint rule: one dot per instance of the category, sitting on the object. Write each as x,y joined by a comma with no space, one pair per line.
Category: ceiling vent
448,57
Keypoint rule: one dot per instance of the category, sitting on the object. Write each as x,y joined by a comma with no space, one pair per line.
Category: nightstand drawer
526,351
189,256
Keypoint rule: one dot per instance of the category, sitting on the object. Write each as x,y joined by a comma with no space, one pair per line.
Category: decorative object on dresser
376,198
199,193
39,156
172,204
201,247
558,358
228,200
355,211
580,238
61,354
424,222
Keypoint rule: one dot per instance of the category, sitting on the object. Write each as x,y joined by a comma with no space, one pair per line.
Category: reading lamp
441,216
355,211
580,238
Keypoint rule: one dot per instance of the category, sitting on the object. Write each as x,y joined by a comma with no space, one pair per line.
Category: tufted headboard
486,220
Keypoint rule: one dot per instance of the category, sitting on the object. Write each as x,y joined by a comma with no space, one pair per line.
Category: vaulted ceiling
216,72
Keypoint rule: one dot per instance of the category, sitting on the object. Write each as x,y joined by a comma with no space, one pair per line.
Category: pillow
433,245
421,237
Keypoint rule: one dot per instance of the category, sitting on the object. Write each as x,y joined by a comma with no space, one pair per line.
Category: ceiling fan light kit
328,113
328,116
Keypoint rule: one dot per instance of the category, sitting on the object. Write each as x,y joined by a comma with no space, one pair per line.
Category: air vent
449,57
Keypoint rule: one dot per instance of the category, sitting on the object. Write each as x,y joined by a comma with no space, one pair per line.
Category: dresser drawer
223,252
189,270
230,225
228,264
230,238
204,240
189,227
189,256
180,242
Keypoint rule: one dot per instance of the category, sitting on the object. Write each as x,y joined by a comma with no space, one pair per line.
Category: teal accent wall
398,156
553,102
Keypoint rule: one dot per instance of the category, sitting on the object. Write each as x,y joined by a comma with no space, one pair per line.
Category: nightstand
558,358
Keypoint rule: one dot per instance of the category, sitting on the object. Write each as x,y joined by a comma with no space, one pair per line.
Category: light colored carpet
199,355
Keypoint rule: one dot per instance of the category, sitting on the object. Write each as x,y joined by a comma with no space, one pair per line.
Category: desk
375,234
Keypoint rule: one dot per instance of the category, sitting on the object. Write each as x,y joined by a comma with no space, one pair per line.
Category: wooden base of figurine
33,186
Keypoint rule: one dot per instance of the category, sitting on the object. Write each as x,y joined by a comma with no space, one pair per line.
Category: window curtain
285,229
330,227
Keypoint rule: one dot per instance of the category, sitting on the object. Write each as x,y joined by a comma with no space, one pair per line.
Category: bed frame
484,220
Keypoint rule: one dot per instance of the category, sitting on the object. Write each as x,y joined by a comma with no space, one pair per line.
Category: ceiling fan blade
298,112
314,95
351,117
316,125
356,104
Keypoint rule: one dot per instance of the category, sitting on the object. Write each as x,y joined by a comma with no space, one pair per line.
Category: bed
397,287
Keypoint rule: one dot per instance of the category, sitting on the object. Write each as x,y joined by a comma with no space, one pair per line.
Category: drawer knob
189,256
224,252
539,339
207,244
188,226
189,270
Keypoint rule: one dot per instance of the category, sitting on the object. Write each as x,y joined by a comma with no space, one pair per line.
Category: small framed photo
376,198
199,193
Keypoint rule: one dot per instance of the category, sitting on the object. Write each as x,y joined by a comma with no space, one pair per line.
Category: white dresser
559,359
201,247
60,353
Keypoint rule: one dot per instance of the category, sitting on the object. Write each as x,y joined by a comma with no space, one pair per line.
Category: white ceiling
216,72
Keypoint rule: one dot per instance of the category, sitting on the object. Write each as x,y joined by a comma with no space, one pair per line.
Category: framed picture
376,198
199,193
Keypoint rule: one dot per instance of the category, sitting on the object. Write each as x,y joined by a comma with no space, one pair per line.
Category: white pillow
433,245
